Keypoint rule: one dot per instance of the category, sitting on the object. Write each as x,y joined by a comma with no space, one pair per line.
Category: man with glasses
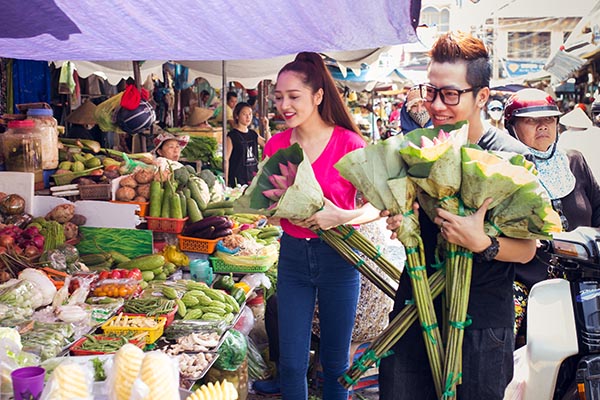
459,75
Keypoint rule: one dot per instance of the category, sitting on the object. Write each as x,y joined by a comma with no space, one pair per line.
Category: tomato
135,273
103,275
115,274
97,172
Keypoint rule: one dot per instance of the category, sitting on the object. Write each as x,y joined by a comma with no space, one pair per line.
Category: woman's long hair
314,73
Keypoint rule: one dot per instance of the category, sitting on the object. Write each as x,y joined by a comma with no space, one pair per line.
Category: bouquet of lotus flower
285,186
380,174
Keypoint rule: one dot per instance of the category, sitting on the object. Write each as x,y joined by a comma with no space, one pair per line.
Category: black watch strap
489,253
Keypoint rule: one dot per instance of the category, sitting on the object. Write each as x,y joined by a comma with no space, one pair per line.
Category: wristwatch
489,253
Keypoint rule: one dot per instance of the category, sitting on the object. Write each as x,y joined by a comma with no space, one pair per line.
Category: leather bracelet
489,253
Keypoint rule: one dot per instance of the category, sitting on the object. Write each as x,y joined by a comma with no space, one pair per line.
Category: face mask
420,118
495,115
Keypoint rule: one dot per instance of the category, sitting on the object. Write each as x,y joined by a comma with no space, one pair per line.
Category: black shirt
491,297
243,162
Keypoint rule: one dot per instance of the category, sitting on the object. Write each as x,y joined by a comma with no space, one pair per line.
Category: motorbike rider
531,116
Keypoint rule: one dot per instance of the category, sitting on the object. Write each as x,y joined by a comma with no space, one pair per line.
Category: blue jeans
310,270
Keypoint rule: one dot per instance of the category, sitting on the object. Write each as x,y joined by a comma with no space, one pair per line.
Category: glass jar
48,127
22,148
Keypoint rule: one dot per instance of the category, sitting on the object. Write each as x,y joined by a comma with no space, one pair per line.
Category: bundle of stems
336,242
459,263
358,241
415,266
388,338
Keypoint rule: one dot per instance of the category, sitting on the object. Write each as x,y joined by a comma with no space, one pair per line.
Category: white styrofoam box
99,214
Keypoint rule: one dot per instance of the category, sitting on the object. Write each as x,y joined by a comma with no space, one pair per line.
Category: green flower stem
426,312
357,240
380,347
461,263
338,244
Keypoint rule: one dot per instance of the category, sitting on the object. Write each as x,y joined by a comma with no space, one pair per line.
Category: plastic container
169,225
219,265
22,149
151,337
48,127
201,271
196,245
259,331
76,349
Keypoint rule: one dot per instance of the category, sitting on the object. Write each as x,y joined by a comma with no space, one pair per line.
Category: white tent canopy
120,30
248,72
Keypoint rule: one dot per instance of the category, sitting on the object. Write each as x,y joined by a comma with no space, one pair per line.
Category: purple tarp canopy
112,30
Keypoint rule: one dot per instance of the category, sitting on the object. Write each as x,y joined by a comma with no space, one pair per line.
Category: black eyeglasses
450,97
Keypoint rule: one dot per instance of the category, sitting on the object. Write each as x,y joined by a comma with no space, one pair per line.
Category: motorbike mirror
571,250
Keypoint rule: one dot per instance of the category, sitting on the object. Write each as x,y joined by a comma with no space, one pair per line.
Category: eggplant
216,221
218,233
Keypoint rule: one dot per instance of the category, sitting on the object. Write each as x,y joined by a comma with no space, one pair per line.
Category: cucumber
183,202
119,257
147,276
95,259
220,204
213,212
193,210
155,199
144,263
165,210
196,194
176,211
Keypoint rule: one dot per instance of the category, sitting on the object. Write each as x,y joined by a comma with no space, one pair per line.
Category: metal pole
224,108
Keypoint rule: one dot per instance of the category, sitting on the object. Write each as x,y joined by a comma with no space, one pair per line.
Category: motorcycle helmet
529,103
136,120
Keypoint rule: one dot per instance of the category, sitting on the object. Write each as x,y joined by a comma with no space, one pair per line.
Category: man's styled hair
453,47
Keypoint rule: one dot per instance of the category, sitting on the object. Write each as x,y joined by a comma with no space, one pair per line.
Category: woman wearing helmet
531,116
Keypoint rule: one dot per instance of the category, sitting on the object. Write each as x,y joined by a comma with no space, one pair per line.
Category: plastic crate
196,245
143,206
169,317
169,225
219,265
76,349
151,337
99,191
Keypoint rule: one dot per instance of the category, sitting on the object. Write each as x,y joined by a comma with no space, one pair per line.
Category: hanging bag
131,98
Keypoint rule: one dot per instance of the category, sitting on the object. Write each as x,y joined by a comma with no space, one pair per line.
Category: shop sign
519,68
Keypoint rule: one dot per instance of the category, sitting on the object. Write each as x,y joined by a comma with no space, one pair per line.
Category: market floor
369,394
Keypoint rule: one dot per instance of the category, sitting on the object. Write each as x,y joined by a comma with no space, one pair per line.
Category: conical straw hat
83,115
199,115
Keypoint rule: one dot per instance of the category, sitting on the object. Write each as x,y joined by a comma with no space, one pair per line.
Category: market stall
165,286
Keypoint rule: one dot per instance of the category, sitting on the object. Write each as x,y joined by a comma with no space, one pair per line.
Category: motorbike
561,357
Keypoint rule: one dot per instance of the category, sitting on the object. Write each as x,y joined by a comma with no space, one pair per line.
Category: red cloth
131,98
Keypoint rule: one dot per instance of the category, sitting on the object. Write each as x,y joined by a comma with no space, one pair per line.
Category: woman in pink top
309,269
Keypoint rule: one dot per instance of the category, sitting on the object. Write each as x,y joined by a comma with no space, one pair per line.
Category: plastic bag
246,321
257,367
70,380
268,256
106,111
232,352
